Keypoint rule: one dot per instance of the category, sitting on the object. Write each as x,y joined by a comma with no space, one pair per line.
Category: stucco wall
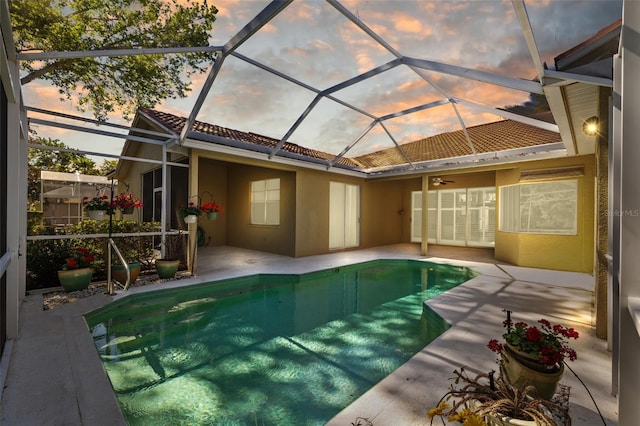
240,232
212,186
558,252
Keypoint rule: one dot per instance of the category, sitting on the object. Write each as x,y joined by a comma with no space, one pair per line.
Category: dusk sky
312,42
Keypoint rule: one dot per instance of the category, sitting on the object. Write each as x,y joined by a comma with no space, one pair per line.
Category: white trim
5,261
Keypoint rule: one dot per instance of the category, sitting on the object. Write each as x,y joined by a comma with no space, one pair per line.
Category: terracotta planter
212,215
96,214
520,371
167,269
192,218
75,279
119,274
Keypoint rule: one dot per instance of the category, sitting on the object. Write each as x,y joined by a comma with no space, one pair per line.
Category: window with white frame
540,208
265,202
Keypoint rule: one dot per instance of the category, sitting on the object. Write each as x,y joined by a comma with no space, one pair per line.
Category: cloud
314,43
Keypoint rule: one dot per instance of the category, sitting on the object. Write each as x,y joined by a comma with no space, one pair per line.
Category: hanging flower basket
190,213
126,203
97,214
96,207
192,218
211,209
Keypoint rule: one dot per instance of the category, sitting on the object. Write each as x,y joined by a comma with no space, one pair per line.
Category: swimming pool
268,349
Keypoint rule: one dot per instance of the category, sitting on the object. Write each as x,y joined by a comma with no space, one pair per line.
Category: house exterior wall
278,239
212,186
312,219
385,210
559,252
304,209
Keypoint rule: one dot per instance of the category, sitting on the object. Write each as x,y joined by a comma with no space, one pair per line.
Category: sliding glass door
344,215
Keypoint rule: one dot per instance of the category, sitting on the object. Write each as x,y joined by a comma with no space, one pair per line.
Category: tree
53,160
107,166
101,84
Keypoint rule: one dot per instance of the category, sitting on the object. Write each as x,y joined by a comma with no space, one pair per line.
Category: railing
112,245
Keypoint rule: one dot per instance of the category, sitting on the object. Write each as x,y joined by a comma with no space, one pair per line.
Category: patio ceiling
353,77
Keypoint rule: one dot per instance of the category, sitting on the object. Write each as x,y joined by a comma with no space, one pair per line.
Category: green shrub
45,257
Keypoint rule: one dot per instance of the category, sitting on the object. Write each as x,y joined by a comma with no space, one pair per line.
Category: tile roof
175,123
490,137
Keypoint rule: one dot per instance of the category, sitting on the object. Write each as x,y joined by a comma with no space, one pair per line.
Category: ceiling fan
437,181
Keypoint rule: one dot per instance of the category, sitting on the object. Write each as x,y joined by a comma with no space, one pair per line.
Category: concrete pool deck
54,375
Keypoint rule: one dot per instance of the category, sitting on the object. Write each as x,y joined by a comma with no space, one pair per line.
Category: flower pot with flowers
534,355
211,210
76,272
126,203
96,207
190,213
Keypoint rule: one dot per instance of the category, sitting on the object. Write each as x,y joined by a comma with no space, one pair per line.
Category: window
464,217
541,208
177,187
265,202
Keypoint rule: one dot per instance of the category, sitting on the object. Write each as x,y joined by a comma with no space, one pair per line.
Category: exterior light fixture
590,126
437,181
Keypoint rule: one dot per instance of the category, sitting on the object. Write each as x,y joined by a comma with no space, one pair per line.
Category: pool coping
68,380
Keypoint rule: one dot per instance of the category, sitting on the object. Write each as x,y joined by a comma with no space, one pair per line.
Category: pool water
268,349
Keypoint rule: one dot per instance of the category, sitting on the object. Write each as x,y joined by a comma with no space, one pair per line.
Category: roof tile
490,137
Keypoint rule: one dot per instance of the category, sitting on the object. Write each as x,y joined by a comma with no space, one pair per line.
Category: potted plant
174,251
167,268
126,203
190,213
76,272
534,354
96,207
211,210
485,400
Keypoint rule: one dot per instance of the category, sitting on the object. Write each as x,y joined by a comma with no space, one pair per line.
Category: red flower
495,346
533,334
79,257
547,343
210,207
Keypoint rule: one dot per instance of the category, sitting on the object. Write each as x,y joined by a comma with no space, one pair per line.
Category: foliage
77,258
473,399
96,203
125,201
103,83
106,167
191,209
44,257
211,207
547,344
